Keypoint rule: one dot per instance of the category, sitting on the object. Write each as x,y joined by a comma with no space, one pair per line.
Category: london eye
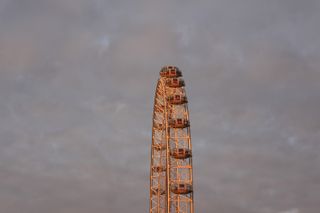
171,174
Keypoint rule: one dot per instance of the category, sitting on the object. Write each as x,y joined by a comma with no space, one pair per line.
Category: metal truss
171,175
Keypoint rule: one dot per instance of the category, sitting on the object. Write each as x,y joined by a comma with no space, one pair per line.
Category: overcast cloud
77,81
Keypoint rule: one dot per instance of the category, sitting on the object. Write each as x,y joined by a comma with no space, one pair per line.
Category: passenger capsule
179,123
181,188
175,82
181,153
177,99
170,72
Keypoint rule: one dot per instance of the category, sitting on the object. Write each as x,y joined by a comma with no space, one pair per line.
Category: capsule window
175,80
178,97
181,185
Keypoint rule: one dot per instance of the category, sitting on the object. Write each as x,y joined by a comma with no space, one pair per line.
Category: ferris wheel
171,176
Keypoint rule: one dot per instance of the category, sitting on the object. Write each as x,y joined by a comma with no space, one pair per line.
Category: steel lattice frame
171,175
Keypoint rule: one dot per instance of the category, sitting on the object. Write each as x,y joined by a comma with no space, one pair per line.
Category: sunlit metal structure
171,175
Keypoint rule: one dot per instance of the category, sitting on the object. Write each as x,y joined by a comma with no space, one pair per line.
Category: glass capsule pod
170,72
175,82
178,123
177,99
181,188
181,153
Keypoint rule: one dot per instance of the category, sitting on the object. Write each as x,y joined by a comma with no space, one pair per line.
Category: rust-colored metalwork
171,181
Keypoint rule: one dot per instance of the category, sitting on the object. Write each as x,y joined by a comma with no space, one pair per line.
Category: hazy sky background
77,81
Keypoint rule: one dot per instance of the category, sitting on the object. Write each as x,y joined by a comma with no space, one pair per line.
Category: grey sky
77,80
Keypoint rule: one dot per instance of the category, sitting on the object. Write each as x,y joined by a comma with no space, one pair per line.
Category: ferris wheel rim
174,189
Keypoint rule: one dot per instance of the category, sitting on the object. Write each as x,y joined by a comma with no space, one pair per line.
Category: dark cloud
76,89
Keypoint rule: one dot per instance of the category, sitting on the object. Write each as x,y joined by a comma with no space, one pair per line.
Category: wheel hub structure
171,176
